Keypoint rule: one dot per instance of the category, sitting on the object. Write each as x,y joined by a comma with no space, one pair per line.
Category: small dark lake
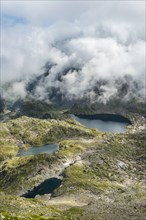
46,187
48,149
105,123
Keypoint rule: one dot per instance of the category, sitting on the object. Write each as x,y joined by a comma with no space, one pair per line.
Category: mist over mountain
72,109
90,52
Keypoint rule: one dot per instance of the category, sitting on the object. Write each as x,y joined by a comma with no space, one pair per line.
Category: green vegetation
102,174
38,109
22,173
19,208
72,147
8,151
38,132
78,177
115,105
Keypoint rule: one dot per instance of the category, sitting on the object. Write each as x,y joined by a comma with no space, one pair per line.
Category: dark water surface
48,186
103,125
48,148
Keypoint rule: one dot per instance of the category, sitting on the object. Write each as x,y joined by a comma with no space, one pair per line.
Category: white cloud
105,40
16,91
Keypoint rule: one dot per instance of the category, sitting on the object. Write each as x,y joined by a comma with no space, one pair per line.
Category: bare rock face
2,105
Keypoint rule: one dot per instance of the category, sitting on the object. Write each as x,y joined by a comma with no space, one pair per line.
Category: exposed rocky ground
102,174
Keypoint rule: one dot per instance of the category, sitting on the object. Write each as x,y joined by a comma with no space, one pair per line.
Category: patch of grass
14,207
78,177
7,152
38,132
22,173
73,147
73,213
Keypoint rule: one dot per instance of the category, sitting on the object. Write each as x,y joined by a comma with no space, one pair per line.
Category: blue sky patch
9,20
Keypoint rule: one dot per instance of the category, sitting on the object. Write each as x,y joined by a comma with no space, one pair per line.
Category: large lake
106,126
48,148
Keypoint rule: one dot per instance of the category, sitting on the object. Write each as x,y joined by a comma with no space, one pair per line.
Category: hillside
102,174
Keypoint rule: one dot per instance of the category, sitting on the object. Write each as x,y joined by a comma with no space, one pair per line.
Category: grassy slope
37,132
105,177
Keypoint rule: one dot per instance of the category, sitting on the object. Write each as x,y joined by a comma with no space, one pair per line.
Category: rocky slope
102,174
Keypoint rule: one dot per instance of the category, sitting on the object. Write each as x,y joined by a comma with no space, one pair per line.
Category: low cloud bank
93,57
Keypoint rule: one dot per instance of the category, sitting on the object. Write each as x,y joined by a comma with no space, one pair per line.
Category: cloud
46,12
15,91
95,60
92,46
